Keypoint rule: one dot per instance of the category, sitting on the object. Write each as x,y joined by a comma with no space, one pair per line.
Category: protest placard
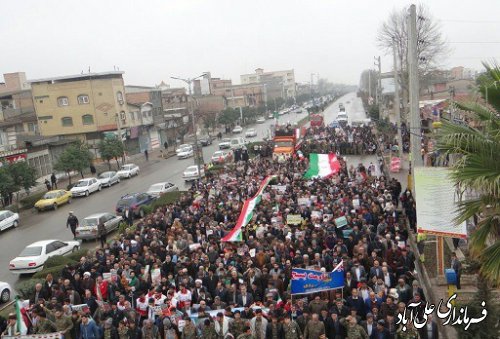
156,276
304,201
316,214
293,219
341,222
355,203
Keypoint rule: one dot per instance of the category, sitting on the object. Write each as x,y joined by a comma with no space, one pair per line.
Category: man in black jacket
72,223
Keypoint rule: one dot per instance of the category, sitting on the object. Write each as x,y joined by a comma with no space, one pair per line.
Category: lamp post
189,81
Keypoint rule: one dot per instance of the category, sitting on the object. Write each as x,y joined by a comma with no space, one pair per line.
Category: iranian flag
20,322
247,212
322,165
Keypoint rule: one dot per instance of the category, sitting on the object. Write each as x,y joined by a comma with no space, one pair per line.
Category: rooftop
79,77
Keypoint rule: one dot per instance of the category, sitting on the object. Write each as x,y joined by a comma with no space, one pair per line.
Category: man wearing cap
72,223
353,329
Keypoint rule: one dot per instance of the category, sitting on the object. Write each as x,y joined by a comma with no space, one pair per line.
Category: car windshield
185,149
126,167
283,144
106,175
125,202
156,187
82,183
218,154
226,140
50,195
31,251
251,130
90,221
191,169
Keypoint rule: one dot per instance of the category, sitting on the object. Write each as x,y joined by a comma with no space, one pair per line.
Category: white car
8,219
85,187
162,187
261,120
221,157
237,129
342,117
109,178
237,143
34,256
128,171
185,152
270,115
225,143
89,227
191,173
250,133
5,292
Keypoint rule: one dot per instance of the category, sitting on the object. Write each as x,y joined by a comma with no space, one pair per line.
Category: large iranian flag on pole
322,165
247,212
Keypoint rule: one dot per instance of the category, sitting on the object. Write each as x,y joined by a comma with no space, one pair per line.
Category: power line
474,42
474,21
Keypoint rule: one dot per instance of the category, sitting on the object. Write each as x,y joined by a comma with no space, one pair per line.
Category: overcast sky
155,39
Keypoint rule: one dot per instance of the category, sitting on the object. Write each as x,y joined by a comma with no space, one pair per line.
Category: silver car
88,229
109,178
162,187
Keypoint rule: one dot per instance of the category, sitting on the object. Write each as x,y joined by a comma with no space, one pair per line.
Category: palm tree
477,168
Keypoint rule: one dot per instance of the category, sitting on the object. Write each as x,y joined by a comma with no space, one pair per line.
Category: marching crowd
171,275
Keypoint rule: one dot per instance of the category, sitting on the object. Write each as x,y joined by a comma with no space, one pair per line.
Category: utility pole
415,123
197,158
378,94
369,84
397,102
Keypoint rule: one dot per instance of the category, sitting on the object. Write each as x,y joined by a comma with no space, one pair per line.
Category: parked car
109,178
225,143
191,173
53,199
128,171
261,120
5,292
342,118
221,157
237,129
85,187
136,203
238,143
8,219
158,189
185,152
250,133
270,115
88,229
205,140
34,256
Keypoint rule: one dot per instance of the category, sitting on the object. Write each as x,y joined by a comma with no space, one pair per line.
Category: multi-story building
82,106
278,83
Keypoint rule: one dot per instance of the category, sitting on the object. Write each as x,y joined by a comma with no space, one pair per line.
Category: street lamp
189,81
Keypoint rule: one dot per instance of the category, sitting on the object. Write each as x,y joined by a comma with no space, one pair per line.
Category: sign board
341,222
279,188
437,199
294,219
316,215
304,201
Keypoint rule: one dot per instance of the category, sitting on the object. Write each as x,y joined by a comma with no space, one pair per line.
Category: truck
317,120
285,142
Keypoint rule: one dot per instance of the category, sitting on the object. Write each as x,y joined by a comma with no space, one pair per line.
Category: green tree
23,174
477,169
209,122
111,148
229,116
76,157
7,185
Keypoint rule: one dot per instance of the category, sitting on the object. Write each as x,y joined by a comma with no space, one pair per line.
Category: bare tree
431,44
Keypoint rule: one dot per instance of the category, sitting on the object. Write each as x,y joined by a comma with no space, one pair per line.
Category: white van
238,143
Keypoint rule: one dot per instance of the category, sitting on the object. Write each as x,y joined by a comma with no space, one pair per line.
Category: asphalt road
51,224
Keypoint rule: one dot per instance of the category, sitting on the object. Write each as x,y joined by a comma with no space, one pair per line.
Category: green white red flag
247,212
322,165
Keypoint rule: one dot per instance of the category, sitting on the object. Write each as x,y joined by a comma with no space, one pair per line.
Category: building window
132,115
32,127
119,97
62,101
83,99
67,121
87,119
19,128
